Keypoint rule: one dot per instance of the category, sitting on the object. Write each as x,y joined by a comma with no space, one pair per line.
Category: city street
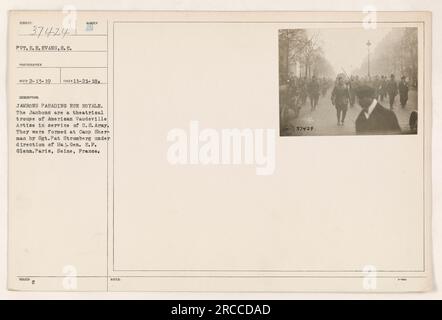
323,121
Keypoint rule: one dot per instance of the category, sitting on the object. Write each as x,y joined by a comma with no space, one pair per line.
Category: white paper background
230,5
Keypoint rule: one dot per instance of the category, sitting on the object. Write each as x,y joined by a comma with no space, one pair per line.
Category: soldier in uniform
340,97
392,90
383,88
403,91
352,89
377,86
313,89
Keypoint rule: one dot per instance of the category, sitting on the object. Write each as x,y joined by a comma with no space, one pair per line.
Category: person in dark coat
374,118
352,90
313,89
412,121
376,84
403,91
392,90
340,98
383,88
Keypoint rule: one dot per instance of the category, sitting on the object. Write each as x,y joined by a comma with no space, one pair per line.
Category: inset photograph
348,81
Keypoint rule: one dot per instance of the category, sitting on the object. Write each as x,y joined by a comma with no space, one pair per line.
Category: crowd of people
384,88
296,90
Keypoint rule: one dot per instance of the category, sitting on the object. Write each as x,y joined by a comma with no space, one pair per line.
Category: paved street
324,121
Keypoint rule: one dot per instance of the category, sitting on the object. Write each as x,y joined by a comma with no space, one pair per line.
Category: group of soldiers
384,87
295,91
346,88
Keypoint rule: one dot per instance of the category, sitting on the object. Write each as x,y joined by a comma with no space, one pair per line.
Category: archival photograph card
219,151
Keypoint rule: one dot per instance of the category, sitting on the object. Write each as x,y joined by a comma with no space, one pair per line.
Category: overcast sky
346,48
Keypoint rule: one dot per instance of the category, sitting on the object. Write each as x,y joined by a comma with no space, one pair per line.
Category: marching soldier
313,89
352,85
377,86
383,88
403,91
340,97
392,90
